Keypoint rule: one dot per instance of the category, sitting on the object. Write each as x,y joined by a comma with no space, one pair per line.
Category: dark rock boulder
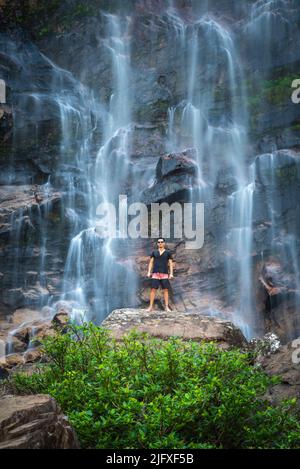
34,422
176,188
176,175
61,321
182,162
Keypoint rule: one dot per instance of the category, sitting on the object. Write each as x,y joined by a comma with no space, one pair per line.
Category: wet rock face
277,169
33,214
30,143
34,422
286,364
278,299
158,81
275,241
22,332
27,215
277,187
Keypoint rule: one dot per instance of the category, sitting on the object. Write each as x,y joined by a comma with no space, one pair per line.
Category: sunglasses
160,242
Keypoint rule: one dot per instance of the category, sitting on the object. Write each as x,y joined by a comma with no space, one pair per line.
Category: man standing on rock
161,266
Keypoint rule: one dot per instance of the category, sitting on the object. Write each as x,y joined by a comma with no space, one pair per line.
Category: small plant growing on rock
266,345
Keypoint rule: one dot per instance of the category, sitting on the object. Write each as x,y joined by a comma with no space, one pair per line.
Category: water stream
92,162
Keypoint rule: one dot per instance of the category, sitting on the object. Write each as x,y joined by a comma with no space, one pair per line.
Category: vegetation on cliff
43,17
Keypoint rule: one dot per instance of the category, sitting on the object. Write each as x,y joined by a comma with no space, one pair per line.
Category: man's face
161,243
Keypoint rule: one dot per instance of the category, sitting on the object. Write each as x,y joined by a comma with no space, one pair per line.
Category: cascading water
106,274
211,65
240,248
91,271
91,158
269,22
46,93
278,174
209,61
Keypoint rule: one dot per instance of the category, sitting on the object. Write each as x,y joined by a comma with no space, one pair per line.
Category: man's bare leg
152,298
166,298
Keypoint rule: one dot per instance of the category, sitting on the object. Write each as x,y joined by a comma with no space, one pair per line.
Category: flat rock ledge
34,422
187,326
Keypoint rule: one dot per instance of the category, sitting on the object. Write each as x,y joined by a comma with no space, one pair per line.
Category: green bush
148,393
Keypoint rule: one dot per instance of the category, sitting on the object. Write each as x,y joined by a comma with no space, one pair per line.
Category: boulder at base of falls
187,326
34,422
285,362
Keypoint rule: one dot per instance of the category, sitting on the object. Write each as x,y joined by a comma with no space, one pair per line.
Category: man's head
161,242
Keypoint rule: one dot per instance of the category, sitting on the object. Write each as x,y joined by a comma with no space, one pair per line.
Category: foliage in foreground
146,393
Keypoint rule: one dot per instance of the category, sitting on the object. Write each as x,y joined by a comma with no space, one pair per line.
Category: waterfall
211,67
209,61
239,262
92,273
269,23
173,76
105,272
277,174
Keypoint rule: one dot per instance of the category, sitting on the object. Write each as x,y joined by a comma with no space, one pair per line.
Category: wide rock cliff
164,102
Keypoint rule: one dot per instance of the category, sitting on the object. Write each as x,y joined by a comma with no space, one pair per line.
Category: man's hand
171,276
149,274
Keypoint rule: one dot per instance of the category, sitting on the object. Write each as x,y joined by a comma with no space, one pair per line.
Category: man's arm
150,267
171,268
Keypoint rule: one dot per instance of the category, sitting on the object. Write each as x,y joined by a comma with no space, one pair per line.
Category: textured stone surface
34,422
177,162
164,325
176,175
281,363
24,333
277,298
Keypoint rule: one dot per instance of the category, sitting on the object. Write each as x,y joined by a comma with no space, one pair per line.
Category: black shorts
163,283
